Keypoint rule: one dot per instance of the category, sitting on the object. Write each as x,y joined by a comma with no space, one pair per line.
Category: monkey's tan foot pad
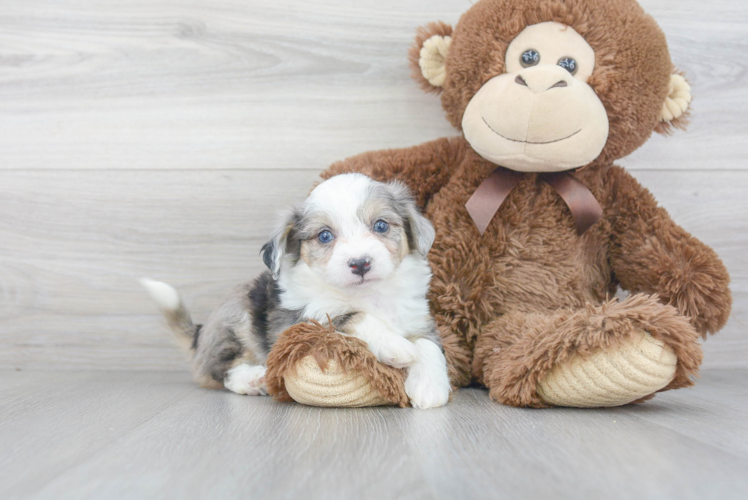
332,387
635,369
314,365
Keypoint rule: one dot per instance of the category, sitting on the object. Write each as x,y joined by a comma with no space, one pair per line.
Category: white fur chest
399,301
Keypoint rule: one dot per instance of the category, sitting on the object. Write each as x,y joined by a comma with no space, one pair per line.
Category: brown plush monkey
536,228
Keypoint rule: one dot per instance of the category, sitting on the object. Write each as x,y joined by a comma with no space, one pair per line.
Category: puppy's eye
381,226
325,236
530,57
568,64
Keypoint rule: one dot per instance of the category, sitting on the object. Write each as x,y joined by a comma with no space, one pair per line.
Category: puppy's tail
176,314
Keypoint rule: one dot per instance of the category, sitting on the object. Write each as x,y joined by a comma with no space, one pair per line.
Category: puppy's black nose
360,266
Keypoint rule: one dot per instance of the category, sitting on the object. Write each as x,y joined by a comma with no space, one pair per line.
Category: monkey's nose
360,266
542,78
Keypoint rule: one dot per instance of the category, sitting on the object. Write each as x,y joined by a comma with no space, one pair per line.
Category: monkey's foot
313,365
637,368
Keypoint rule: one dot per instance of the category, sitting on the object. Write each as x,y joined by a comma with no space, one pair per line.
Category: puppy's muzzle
360,266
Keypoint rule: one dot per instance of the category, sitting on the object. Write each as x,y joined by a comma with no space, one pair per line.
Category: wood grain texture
157,84
160,137
156,435
75,243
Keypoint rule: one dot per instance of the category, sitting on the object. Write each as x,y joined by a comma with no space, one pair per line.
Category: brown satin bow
492,192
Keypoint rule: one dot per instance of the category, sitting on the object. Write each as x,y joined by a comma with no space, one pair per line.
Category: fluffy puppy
353,253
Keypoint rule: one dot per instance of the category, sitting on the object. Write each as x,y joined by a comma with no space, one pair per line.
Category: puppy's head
351,231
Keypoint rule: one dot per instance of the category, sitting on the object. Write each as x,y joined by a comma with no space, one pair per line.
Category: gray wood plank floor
156,435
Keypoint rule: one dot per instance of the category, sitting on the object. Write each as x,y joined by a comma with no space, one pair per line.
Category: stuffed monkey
536,227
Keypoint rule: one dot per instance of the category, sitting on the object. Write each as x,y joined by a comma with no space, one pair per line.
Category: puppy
354,251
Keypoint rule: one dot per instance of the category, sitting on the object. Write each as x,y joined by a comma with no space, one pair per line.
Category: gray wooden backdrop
160,137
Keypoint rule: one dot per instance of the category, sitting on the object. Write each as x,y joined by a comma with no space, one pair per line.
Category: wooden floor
109,435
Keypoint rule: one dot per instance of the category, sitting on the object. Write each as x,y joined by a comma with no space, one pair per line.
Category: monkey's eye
568,64
325,236
381,226
530,57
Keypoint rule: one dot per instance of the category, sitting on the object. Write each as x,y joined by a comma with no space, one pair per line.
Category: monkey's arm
425,168
651,254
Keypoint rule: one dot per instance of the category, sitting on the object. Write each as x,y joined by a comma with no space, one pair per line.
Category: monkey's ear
674,112
428,55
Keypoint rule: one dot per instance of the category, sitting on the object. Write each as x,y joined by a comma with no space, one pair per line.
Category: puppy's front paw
427,383
425,393
396,352
246,379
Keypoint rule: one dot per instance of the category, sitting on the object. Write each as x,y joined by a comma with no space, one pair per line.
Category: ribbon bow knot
492,192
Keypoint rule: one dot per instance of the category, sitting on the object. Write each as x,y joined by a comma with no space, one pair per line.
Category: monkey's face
540,115
552,85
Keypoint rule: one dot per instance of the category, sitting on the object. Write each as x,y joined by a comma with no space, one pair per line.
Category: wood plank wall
160,137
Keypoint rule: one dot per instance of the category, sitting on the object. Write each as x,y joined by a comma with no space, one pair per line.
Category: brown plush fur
518,350
530,291
632,62
531,263
351,354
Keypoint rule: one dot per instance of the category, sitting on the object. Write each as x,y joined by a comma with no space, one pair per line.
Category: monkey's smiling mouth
529,142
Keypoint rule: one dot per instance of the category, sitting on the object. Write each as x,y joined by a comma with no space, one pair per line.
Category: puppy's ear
274,250
419,229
